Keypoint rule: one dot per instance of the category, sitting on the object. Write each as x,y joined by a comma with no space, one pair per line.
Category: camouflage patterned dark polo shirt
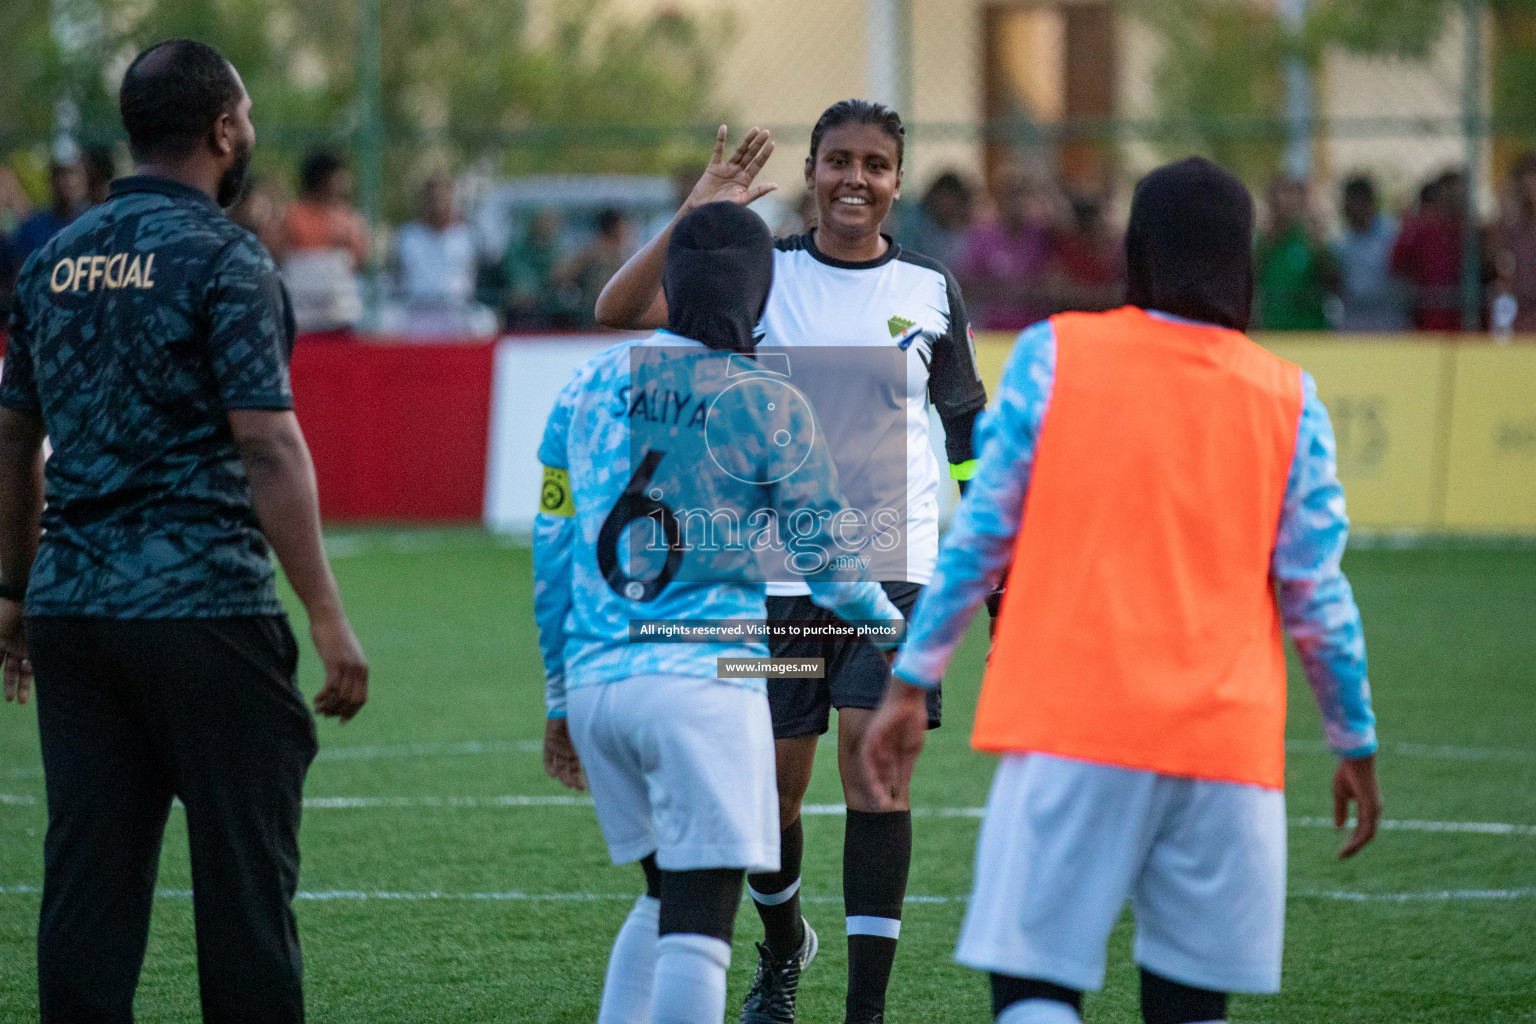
134,331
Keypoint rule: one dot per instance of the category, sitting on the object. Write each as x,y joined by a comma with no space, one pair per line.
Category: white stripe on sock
1038,1011
883,927
773,899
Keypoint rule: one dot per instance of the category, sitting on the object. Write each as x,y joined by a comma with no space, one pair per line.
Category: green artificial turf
457,697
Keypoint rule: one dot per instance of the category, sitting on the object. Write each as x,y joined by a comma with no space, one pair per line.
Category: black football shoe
771,1000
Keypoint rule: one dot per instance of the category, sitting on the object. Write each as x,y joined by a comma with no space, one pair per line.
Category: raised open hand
731,181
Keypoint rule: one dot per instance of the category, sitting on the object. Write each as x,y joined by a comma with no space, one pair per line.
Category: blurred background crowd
1022,250
408,191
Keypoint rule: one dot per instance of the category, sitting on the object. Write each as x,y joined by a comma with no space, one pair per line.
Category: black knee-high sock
877,851
777,896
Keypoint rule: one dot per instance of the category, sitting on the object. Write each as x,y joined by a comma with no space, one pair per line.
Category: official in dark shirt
149,342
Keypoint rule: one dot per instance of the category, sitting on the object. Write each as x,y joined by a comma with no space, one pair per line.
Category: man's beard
232,183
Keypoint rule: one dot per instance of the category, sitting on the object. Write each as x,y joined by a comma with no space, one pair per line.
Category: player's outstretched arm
1319,611
21,509
554,536
287,503
975,555
633,299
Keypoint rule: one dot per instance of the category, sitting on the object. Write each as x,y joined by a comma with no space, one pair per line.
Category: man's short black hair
100,166
609,220
316,170
171,97
1360,185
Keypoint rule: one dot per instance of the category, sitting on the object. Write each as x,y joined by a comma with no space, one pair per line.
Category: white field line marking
411,542
337,803
384,751
360,895
1486,828
448,748
330,803
1428,751
463,748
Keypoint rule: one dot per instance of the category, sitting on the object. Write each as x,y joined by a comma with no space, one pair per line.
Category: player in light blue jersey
681,473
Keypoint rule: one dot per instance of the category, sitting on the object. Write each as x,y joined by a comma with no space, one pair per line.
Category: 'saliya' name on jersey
662,405
110,271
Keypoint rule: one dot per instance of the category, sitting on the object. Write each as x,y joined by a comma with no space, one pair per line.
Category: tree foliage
1220,78
1219,83
464,81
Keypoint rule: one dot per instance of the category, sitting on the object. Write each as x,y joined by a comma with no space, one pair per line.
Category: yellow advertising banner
1491,484
992,348
1433,434
1387,401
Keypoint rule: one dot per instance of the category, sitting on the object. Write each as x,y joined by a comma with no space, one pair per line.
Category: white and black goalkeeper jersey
902,301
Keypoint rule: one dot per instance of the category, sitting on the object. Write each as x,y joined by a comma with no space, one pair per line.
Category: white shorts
1065,843
681,767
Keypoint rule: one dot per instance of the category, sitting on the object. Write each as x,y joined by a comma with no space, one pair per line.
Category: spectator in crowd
1428,253
1293,268
1087,260
100,168
436,264
260,211
325,243
683,177
1370,298
533,301
66,185
1003,266
14,208
323,216
943,218
597,261
14,205
1514,248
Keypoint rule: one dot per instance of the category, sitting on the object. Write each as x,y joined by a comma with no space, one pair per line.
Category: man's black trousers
132,713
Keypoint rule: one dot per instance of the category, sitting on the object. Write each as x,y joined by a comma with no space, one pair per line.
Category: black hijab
719,268
1189,246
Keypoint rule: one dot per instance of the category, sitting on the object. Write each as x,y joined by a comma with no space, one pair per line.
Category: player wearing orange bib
1166,494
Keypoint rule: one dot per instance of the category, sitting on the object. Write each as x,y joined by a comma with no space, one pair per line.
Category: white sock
631,967
1039,1011
690,980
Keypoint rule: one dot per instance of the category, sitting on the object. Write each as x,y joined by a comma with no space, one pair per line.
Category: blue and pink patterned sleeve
1316,603
554,542
975,554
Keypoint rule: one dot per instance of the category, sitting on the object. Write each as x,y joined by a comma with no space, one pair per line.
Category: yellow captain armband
555,495
964,470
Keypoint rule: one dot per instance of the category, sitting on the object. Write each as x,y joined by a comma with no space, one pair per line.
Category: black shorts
130,713
856,670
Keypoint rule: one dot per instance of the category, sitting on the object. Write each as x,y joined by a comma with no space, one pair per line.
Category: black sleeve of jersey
958,444
250,336
954,384
953,381
18,387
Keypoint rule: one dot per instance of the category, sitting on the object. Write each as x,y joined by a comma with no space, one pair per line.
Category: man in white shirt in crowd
1370,298
436,256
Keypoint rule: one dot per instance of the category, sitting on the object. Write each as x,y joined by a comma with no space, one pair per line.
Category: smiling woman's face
855,178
